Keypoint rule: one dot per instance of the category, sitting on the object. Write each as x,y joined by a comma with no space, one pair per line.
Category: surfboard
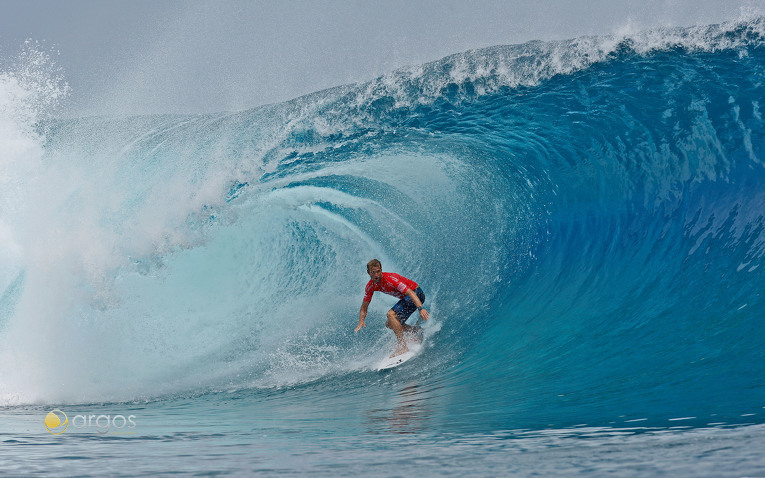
391,362
414,341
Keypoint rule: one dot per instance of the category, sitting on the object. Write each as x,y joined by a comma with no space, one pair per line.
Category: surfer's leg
398,329
403,310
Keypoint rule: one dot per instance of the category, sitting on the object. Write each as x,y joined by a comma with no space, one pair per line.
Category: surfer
410,295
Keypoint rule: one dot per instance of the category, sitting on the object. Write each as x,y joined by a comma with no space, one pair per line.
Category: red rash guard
391,284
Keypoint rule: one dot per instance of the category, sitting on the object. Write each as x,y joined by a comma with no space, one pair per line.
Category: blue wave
585,217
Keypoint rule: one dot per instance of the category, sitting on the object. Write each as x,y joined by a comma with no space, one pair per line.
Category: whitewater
586,217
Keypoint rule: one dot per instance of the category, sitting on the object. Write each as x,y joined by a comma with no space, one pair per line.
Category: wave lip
486,71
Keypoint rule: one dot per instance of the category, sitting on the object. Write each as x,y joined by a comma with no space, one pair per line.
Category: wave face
585,217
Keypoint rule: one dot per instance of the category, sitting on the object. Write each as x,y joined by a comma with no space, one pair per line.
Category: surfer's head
373,263
374,269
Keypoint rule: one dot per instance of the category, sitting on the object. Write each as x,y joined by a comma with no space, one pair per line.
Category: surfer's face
375,273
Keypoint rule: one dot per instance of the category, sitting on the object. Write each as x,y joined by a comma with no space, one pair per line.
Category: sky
194,56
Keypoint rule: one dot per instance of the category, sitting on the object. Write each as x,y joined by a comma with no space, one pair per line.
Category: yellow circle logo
56,422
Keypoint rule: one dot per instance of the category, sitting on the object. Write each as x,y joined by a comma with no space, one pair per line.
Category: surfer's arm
362,315
423,313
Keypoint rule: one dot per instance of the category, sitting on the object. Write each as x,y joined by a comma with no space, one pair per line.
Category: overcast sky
154,56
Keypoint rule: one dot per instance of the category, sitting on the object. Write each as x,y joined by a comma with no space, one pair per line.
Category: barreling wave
585,217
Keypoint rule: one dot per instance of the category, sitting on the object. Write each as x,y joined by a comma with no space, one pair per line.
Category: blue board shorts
405,307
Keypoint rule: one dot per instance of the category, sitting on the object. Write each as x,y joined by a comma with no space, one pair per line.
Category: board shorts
405,307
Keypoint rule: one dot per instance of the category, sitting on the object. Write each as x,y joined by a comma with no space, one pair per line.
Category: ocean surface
587,219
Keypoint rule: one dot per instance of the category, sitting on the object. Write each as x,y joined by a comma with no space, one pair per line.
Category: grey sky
151,56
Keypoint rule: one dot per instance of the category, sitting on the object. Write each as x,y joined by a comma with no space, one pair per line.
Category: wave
585,217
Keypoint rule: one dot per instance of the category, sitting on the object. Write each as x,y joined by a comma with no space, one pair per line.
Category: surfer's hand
361,324
424,314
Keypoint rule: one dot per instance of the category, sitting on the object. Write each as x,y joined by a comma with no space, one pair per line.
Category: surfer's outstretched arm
362,315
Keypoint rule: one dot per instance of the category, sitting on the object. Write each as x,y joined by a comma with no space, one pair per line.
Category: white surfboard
390,362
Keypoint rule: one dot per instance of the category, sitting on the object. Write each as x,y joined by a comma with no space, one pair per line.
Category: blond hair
373,263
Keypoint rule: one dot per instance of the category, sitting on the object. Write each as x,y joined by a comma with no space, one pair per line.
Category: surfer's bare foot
400,351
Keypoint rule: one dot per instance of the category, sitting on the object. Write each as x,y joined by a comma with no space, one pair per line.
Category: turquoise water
585,217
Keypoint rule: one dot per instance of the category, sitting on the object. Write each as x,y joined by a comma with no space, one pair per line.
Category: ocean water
587,219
